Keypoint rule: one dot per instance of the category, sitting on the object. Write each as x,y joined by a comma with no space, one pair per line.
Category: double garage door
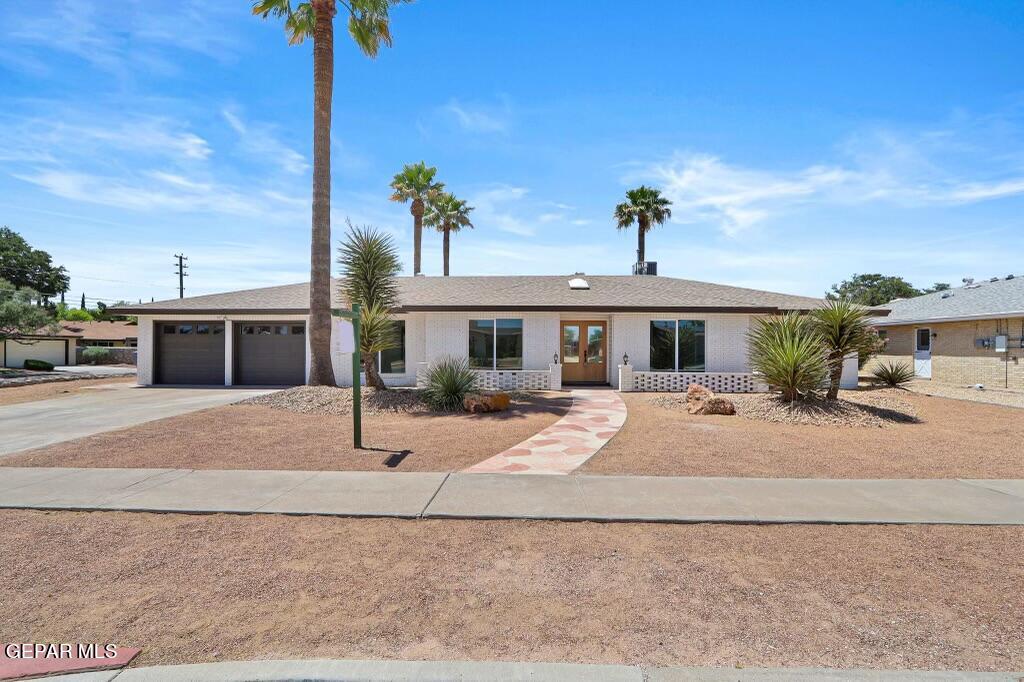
266,353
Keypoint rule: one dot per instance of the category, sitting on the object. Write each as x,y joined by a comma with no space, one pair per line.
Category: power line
180,272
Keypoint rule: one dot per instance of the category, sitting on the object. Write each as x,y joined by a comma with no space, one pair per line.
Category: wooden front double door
584,352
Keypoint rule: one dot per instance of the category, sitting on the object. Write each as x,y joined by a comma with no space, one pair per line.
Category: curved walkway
594,419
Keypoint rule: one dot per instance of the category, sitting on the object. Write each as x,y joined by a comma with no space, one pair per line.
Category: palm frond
416,181
446,212
369,263
787,351
643,205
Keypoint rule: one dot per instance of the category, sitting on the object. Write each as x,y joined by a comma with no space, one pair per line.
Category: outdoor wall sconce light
556,358
625,358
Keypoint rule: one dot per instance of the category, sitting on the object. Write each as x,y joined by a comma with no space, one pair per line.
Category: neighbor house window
677,346
392,361
100,344
496,344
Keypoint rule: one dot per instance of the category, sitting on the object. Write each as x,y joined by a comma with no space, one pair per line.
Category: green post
357,367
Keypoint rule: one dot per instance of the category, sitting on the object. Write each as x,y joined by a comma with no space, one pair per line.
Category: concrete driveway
117,406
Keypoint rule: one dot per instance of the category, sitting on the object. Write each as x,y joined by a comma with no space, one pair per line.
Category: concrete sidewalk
499,496
445,671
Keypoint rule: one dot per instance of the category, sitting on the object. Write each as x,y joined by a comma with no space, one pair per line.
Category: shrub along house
634,332
969,335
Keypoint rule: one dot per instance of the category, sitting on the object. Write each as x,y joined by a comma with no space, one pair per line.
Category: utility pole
180,272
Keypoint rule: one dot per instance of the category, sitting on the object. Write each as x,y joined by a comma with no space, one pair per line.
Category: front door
584,352
923,353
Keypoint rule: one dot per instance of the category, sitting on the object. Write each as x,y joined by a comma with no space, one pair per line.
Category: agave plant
844,329
788,352
448,381
369,263
893,374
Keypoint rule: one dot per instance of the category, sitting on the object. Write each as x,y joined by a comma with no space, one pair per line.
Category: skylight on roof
578,283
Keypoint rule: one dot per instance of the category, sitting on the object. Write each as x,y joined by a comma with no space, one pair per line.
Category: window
496,344
169,329
924,339
281,330
132,343
218,329
100,344
202,329
298,330
677,345
248,329
571,343
393,361
263,330
184,329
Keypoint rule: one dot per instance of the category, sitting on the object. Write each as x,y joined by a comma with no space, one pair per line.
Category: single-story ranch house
969,335
64,346
518,332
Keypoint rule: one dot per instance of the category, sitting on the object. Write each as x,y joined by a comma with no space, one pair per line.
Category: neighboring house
63,347
972,334
518,332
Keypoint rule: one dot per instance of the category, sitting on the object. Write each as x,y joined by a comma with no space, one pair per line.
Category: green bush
95,355
74,315
893,374
448,382
39,365
789,353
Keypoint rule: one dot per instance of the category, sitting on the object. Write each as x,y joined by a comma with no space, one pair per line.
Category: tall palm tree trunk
447,243
641,236
321,373
417,234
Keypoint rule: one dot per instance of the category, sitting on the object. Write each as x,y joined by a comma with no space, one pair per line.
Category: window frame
494,343
675,344
380,355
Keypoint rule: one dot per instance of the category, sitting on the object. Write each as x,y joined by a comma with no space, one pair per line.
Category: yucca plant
844,329
893,374
789,353
448,381
369,263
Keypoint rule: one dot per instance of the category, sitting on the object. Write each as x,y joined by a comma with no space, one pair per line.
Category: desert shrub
39,365
95,355
893,374
789,353
448,382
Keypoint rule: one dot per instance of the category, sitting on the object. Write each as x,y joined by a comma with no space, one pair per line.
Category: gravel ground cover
11,395
951,439
262,437
870,408
992,395
330,400
214,587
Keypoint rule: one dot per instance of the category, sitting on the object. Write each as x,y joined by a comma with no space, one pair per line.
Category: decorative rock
700,400
475,403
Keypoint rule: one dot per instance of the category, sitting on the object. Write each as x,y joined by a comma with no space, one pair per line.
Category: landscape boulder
700,400
475,403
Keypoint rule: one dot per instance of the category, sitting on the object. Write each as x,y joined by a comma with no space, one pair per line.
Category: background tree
844,329
66,314
368,24
646,207
19,314
875,289
415,183
447,214
938,286
369,264
23,266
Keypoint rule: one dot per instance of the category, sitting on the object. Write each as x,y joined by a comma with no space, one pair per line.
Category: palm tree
416,184
646,207
369,264
844,329
447,214
368,25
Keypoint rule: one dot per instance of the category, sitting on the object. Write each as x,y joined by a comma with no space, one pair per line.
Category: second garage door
270,353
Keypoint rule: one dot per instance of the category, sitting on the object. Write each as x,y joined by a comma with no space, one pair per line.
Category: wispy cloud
260,142
496,206
909,170
479,118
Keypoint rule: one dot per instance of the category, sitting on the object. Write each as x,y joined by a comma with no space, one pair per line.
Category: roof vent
994,279
1009,277
968,280
577,282
946,294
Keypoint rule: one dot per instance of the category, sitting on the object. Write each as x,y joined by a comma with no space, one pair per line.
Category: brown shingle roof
100,331
606,292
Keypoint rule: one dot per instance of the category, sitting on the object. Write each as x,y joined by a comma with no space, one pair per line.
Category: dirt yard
256,437
12,395
954,439
204,588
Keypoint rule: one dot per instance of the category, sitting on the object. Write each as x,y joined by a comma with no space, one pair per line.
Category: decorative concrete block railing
674,382
508,380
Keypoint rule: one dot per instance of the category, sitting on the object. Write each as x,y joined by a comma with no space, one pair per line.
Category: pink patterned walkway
594,419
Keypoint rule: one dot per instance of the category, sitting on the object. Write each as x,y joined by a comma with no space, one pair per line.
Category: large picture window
392,361
677,346
496,344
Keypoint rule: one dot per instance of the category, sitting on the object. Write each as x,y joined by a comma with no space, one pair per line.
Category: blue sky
799,141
